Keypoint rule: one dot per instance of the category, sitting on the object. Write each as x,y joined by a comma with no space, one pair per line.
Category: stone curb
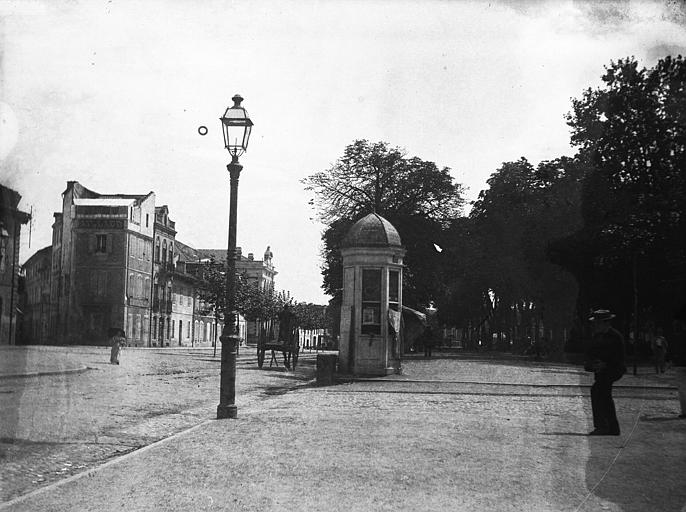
41,374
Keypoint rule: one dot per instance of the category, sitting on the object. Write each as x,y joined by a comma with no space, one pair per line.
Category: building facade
37,297
101,266
11,220
163,278
183,310
207,323
115,262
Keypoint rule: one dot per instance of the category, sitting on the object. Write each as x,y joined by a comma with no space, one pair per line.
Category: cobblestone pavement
426,439
438,451
465,376
57,425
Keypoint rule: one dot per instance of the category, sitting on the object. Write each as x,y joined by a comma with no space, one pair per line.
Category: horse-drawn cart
284,338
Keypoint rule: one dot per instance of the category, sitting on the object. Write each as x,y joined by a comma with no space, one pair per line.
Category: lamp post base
227,412
227,393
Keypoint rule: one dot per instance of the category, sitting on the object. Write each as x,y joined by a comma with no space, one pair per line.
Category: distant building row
115,262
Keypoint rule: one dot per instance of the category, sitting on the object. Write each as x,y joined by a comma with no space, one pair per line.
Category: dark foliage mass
373,177
630,253
498,260
416,196
546,243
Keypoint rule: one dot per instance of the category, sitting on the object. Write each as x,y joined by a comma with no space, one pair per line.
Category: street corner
31,362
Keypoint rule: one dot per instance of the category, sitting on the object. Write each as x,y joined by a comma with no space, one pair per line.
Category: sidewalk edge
40,374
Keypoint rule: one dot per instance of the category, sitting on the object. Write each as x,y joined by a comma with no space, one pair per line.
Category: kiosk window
393,288
371,301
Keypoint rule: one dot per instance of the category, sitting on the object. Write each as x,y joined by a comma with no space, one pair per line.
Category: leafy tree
373,177
499,278
310,316
332,266
414,195
631,249
634,134
255,303
211,287
252,301
423,275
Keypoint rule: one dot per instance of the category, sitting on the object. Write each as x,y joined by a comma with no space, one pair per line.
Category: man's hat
601,315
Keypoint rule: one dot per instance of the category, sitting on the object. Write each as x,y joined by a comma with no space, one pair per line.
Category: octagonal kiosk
372,298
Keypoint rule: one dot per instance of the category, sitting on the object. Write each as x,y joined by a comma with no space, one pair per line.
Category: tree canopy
374,177
416,196
543,243
633,132
498,271
631,248
252,301
613,216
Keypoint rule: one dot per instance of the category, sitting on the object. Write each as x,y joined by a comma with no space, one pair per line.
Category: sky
111,94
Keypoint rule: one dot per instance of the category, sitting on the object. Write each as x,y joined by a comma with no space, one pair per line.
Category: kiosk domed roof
372,231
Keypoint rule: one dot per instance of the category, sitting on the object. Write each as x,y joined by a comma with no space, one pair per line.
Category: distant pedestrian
659,348
117,340
605,358
428,339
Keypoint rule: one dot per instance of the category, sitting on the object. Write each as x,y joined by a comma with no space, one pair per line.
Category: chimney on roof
251,256
239,253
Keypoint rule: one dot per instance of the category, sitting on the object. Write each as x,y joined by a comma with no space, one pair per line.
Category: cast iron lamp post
236,126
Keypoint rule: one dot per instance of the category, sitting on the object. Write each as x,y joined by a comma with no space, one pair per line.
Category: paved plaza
457,432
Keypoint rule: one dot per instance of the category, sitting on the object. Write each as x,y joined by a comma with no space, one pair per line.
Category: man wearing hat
606,361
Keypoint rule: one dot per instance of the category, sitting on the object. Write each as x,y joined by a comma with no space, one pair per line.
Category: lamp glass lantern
236,126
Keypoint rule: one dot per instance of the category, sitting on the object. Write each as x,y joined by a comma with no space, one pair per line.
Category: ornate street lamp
236,126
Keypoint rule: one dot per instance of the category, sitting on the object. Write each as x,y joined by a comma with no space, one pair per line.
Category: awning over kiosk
420,316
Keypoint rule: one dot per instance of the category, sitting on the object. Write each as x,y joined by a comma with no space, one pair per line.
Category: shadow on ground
635,471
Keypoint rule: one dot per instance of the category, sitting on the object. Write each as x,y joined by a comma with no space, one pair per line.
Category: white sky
111,93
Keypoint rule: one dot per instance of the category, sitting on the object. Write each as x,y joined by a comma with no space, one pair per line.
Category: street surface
456,432
53,426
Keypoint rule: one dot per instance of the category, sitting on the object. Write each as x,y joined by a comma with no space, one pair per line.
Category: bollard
326,369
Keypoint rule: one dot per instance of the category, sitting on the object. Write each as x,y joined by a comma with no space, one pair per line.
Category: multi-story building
183,308
207,323
101,265
11,219
163,278
37,297
115,262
